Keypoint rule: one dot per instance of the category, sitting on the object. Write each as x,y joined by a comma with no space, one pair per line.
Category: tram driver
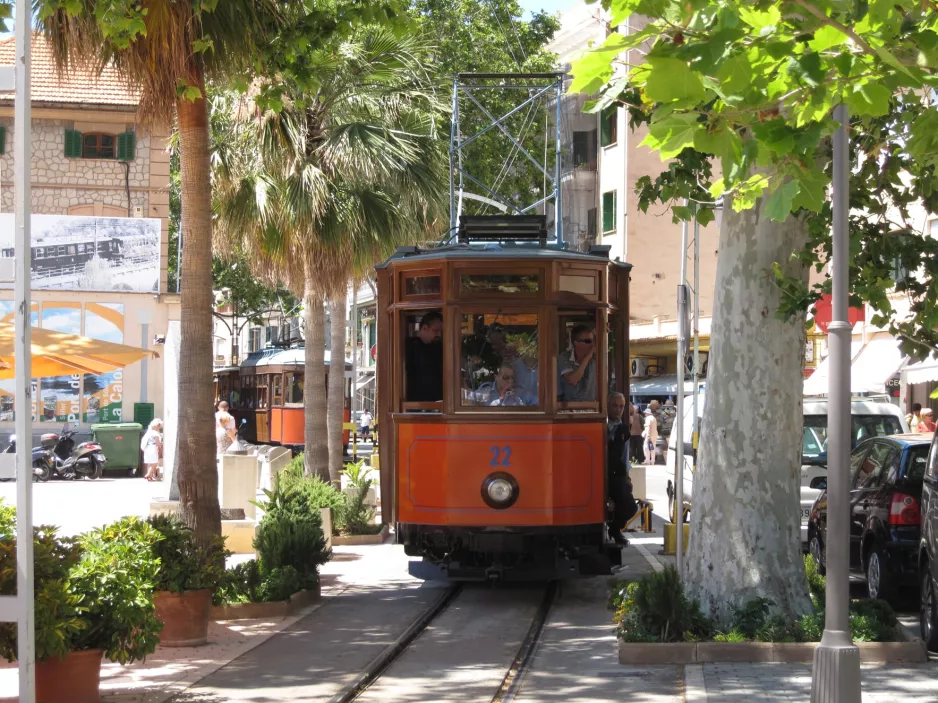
577,366
424,360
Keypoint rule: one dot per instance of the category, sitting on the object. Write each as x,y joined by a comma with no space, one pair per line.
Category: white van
871,417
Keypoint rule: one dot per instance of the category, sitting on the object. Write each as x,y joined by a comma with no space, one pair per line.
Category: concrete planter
266,611
785,652
359,540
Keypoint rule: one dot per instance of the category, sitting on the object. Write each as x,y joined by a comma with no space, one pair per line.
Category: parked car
928,550
886,478
870,418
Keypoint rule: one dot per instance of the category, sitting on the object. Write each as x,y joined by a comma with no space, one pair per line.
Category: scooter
41,470
68,461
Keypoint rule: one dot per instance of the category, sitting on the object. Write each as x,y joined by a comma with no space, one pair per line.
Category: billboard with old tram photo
90,253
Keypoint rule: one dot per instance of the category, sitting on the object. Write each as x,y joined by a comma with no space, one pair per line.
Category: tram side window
499,360
577,365
423,358
276,390
293,388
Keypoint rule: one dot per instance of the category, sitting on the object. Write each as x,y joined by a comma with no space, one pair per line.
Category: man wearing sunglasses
578,367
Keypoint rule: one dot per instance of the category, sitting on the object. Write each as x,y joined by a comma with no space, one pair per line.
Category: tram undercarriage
507,553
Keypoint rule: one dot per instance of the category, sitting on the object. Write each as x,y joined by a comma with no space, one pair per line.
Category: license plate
805,514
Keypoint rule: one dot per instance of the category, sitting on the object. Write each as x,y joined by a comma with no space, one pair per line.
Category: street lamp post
836,674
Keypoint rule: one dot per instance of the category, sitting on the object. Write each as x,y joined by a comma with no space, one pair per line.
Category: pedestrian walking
927,423
636,455
365,421
225,433
152,446
650,436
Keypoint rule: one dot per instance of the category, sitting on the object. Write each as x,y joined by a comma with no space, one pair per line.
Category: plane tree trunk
745,538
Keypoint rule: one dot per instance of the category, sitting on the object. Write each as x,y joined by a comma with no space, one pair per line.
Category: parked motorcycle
41,469
68,461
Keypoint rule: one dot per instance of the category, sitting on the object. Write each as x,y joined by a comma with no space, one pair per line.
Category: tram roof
499,251
276,356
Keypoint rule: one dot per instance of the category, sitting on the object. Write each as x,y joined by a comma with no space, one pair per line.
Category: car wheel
817,552
929,611
878,579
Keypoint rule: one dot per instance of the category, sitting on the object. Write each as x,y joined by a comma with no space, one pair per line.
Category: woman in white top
152,446
224,429
650,436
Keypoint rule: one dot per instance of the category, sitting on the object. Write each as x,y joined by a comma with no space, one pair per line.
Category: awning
658,386
817,383
877,361
922,372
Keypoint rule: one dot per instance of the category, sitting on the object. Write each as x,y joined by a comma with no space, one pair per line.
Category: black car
928,550
886,477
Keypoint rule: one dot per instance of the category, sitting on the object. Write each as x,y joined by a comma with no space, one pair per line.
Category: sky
548,5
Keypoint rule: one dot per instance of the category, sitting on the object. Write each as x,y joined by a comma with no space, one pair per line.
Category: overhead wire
504,33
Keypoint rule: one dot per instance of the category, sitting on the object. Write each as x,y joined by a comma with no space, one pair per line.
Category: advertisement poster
90,253
90,398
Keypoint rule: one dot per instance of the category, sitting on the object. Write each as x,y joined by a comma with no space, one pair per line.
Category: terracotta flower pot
184,617
74,679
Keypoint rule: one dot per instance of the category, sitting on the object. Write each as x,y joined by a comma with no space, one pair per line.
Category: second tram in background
495,471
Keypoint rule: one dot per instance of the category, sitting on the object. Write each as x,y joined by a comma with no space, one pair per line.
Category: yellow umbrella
60,354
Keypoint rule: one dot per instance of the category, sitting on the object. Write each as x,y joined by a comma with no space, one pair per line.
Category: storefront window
294,388
499,360
499,283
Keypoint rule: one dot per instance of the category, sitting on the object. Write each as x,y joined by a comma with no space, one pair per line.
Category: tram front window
499,360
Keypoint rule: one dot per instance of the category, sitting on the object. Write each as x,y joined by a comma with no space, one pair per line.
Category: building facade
100,204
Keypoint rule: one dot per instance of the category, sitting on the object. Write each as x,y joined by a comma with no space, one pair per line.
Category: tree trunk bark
316,452
198,474
745,539
336,412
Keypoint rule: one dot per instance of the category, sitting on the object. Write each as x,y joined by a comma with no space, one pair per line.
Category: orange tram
496,467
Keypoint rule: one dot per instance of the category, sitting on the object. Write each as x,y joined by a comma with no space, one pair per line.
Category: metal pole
354,336
558,211
677,433
453,135
836,673
22,351
695,417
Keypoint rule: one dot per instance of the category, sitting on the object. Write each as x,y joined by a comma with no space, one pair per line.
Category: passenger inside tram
577,366
499,361
424,360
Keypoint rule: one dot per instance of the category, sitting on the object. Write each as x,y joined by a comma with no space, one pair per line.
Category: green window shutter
607,126
126,144
609,211
72,144
3,139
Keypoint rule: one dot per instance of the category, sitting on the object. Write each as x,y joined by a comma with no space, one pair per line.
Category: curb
649,557
261,611
361,540
695,688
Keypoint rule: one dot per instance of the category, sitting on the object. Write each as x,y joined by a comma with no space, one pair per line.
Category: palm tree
331,184
166,49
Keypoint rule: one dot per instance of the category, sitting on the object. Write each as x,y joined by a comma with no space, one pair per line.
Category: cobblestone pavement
764,683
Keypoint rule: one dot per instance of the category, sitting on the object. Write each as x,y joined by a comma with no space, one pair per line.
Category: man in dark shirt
617,475
424,360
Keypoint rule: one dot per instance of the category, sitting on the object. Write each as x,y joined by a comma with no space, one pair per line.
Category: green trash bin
120,443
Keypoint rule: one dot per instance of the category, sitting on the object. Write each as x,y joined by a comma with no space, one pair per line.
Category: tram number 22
501,456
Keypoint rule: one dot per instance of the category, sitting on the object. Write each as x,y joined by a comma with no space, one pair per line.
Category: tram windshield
499,360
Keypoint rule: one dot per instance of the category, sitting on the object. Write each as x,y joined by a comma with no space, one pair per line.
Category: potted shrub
189,575
93,598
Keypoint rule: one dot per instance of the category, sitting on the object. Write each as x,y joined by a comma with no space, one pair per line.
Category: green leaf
594,67
812,189
202,45
735,75
761,20
827,37
620,10
749,191
778,207
869,100
672,79
192,93
670,136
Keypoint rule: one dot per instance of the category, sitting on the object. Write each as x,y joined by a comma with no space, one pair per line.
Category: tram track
511,681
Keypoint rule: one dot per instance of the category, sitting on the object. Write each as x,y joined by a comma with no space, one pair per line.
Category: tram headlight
500,490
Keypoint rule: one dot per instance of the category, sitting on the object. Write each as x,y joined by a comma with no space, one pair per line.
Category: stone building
93,157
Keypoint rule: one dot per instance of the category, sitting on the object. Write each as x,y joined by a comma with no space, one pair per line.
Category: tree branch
830,22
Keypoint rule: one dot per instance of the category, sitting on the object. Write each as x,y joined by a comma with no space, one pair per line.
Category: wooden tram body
442,455
267,390
68,253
